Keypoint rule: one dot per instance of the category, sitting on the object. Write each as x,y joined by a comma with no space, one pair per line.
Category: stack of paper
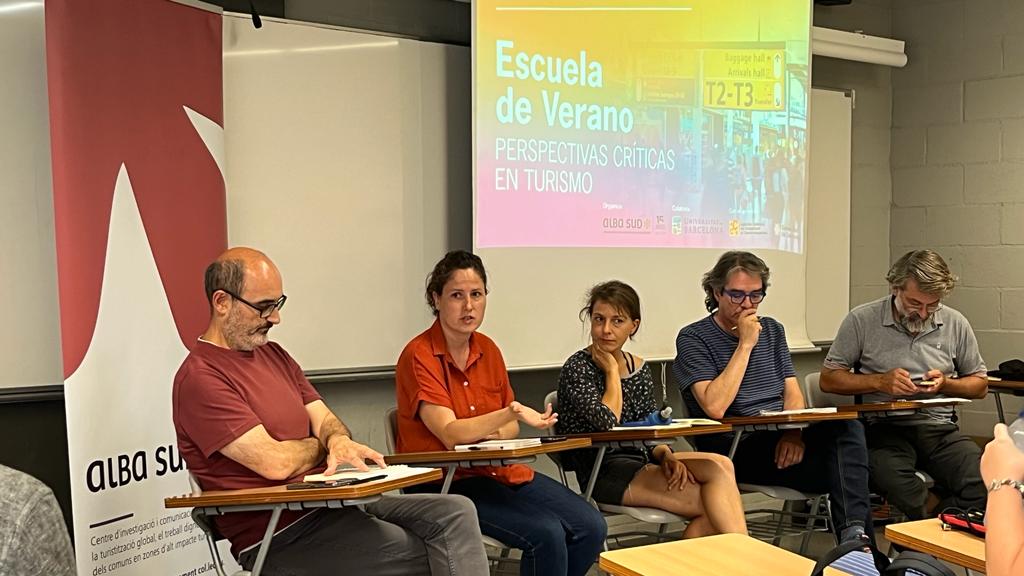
510,444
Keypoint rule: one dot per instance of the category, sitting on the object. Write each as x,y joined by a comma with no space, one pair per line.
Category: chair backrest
391,428
816,398
551,398
684,410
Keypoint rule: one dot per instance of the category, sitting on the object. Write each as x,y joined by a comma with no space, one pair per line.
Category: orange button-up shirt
426,372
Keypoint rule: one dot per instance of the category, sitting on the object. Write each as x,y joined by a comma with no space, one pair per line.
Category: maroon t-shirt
220,394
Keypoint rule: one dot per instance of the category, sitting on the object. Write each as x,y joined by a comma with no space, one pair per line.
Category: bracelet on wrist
1015,484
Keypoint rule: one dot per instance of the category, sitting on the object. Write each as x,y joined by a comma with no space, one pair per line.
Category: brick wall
958,162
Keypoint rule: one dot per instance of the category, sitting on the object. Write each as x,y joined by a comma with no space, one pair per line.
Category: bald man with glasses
734,362
907,345
247,417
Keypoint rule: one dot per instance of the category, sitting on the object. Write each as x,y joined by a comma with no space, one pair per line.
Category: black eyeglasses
265,310
737,296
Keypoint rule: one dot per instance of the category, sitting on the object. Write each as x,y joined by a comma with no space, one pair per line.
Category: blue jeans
835,461
559,533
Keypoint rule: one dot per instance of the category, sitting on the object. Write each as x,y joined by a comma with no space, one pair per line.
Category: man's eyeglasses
929,308
265,310
737,296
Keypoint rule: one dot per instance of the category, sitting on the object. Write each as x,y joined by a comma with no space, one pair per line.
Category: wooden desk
639,437
997,387
743,424
894,408
276,499
281,494
642,434
928,536
452,459
721,555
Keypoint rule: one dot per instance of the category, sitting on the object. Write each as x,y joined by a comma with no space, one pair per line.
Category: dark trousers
395,536
952,459
559,533
835,461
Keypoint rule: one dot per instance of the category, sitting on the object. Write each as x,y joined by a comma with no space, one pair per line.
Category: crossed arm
275,459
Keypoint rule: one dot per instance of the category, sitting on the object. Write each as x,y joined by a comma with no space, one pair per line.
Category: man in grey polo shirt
907,345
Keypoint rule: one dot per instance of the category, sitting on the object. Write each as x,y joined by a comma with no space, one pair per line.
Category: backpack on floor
851,558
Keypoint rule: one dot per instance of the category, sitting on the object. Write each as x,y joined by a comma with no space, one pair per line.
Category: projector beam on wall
857,47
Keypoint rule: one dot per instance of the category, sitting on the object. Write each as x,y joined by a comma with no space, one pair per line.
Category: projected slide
641,123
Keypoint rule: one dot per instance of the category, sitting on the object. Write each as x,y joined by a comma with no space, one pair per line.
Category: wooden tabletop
633,434
1008,385
281,494
789,418
470,455
927,536
721,555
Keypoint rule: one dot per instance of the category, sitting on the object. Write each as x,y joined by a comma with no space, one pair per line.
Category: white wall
28,254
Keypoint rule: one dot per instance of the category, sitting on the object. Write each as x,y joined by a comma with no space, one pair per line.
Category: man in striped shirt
735,363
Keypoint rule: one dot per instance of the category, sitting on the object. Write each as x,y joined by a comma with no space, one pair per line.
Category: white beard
909,319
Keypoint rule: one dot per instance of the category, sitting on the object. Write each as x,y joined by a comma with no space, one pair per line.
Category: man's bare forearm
332,430
839,381
966,387
721,392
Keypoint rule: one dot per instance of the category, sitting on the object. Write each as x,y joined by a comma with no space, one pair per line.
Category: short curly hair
734,261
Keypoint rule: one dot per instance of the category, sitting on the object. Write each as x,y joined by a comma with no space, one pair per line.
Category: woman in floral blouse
603,386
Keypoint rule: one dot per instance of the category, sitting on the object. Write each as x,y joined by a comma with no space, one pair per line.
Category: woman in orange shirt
453,388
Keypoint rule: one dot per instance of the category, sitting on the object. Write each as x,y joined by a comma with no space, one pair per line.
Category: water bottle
656,418
1017,431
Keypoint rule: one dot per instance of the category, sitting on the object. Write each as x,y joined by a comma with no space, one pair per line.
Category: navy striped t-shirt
703,349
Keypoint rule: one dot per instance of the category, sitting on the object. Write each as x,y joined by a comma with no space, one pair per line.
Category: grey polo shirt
871,339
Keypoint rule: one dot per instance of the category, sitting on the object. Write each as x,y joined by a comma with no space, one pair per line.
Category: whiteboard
828,211
348,162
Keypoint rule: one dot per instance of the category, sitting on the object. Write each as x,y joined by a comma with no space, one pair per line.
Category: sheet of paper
671,426
696,421
510,444
942,400
393,472
830,410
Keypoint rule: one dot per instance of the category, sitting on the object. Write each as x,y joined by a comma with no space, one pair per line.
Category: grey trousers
952,459
397,535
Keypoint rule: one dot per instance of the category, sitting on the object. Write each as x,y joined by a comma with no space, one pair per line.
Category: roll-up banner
136,116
